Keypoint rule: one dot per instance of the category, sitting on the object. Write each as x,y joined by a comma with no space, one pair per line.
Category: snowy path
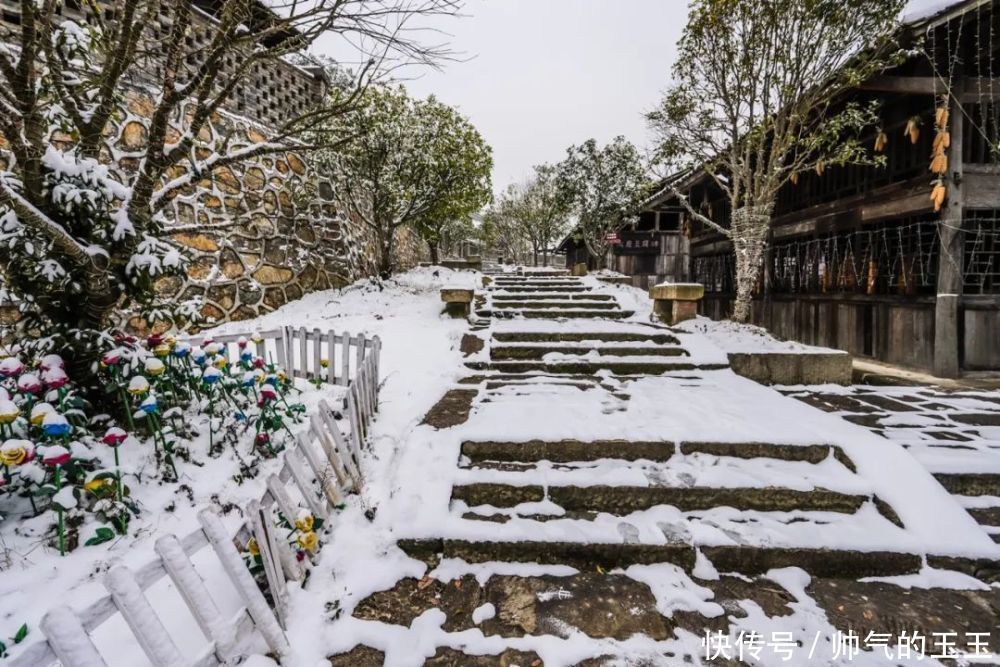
574,497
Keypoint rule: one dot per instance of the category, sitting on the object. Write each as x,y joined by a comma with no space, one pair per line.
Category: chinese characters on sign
750,646
638,243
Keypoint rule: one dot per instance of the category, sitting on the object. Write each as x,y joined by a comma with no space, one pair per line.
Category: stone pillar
457,302
579,269
674,303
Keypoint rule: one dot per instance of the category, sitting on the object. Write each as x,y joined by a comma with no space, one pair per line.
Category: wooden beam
968,90
950,262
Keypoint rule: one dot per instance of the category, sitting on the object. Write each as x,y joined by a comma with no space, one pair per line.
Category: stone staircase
625,543
548,296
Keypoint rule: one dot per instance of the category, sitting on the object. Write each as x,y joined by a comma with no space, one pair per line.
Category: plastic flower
211,375
9,412
206,341
252,547
154,340
15,452
271,380
304,522
325,363
246,356
213,348
258,362
55,425
181,350
154,366
162,350
56,455
10,367
198,355
256,337
138,385
111,358
114,436
241,342
308,540
268,393
39,411
249,379
100,486
281,375
51,361
262,439
220,362
149,406
29,383
55,377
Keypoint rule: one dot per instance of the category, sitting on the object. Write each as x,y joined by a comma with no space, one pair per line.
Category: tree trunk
385,260
749,236
434,252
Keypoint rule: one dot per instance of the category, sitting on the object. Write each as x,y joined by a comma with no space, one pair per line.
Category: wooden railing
320,469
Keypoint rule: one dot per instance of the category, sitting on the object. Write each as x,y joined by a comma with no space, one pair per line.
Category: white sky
545,74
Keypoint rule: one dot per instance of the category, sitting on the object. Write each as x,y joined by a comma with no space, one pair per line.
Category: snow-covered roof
917,11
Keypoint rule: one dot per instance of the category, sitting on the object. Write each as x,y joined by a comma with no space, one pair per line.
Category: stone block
487,281
677,292
579,269
458,302
790,368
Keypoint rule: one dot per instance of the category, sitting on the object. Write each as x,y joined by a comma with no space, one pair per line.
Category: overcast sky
545,74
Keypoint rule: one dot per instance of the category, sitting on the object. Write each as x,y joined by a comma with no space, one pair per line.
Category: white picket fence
320,470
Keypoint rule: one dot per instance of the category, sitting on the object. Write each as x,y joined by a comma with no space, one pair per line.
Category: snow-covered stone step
659,337
512,352
546,288
501,306
543,296
535,313
616,365
576,450
820,562
624,500
970,484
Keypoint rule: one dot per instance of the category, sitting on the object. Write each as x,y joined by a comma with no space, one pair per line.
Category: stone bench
457,302
674,303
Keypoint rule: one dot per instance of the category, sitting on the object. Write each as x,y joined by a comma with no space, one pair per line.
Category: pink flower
114,436
242,342
55,378
10,367
111,358
268,393
56,455
51,361
29,383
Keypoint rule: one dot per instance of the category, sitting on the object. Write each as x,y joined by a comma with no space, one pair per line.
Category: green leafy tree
603,187
410,162
757,99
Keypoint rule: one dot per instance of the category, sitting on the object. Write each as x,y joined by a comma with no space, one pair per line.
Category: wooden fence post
69,641
263,618
143,621
345,359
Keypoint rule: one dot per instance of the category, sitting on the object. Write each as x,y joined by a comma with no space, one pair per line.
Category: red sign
612,238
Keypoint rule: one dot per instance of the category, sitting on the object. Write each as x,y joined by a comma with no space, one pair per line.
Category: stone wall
259,234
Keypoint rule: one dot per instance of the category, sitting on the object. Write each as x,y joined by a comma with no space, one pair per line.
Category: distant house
858,258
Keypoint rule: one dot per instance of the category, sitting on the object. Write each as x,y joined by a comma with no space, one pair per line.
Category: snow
483,613
918,10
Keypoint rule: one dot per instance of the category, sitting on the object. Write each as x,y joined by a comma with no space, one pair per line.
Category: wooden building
858,259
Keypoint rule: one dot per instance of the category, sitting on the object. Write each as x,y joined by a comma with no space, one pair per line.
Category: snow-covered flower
308,540
211,375
55,425
55,455
55,377
10,367
29,383
138,385
114,436
9,412
39,411
304,521
149,406
268,393
241,342
256,337
51,361
14,452
111,358
181,350
154,366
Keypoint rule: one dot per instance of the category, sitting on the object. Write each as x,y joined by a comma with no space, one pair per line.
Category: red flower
258,362
154,340
114,436
262,439
56,455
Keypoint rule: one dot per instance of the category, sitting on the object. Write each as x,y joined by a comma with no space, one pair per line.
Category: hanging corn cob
820,168
913,129
942,141
794,178
881,141
939,164
938,194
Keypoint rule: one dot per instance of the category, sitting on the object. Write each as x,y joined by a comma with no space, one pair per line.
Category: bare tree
77,244
756,100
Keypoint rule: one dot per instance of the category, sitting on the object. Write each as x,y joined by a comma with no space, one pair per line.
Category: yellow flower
325,363
154,367
38,413
9,412
308,540
304,523
220,362
282,376
252,547
97,486
15,452
162,350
